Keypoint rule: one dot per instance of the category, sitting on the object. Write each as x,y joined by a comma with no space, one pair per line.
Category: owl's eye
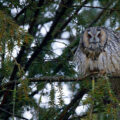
89,36
99,35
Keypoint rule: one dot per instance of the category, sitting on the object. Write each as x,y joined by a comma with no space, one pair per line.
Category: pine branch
5,111
23,48
100,15
7,97
19,59
51,34
72,16
33,23
27,7
50,79
103,8
82,116
66,112
21,12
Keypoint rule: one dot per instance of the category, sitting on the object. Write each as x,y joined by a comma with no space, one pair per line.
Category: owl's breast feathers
105,61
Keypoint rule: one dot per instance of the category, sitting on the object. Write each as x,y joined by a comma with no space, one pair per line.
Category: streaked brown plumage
99,50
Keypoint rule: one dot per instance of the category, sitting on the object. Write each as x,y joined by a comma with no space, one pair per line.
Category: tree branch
82,116
21,12
50,79
3,110
104,8
51,34
23,48
66,112
100,15
7,96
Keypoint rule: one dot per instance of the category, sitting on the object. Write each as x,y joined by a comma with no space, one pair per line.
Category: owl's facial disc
94,40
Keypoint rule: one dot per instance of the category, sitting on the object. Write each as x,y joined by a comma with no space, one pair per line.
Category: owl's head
93,41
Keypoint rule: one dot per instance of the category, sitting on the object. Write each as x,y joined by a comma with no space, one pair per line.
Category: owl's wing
115,81
117,34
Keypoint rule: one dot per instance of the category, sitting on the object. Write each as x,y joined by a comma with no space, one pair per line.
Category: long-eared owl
99,50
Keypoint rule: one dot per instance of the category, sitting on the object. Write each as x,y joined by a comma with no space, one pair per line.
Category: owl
99,50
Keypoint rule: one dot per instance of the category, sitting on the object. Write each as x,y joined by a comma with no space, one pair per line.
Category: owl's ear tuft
85,39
